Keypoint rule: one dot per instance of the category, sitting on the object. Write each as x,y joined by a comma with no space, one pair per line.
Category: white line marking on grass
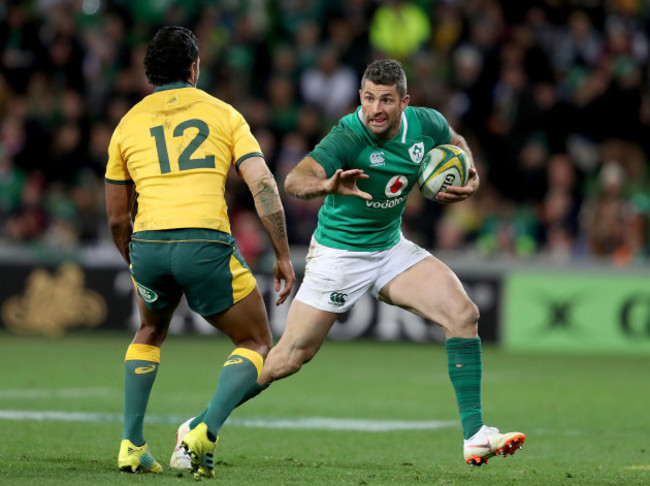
313,423
55,416
325,423
57,393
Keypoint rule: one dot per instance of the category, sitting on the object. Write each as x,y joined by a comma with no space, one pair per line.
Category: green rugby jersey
352,223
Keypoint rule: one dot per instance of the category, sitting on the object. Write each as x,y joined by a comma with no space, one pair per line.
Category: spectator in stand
606,211
329,85
12,181
283,108
510,74
580,44
399,29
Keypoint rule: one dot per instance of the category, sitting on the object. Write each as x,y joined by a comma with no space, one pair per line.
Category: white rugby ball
441,167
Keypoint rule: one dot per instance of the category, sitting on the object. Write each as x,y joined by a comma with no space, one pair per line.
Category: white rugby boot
181,459
489,442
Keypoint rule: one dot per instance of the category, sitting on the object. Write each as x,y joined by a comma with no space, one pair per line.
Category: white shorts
335,279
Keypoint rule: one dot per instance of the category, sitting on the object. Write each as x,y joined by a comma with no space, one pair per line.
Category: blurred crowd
553,97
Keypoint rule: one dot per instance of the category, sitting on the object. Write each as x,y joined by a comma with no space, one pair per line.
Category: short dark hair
386,72
170,55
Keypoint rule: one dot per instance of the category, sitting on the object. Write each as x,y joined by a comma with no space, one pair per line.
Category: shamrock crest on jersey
417,152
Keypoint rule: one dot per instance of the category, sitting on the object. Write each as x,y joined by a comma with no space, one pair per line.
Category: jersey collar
403,127
174,85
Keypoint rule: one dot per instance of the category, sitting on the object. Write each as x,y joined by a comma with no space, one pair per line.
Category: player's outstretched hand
344,182
459,193
283,271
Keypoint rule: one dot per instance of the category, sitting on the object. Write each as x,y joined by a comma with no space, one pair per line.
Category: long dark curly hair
170,54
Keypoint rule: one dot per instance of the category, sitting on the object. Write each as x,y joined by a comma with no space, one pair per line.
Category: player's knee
285,361
150,334
464,322
265,343
469,316
261,344
263,349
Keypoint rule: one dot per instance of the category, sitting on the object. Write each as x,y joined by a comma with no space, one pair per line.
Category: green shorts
203,264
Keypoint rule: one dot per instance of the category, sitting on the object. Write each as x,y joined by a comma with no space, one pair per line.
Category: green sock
254,390
237,381
252,393
198,419
141,367
465,369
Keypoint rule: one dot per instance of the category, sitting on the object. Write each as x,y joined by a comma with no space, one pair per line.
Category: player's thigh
430,289
158,294
306,329
211,271
154,323
335,279
220,287
246,323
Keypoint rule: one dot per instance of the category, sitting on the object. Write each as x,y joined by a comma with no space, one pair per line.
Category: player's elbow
291,184
117,222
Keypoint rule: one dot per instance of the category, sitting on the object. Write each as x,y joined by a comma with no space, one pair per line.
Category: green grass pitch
586,417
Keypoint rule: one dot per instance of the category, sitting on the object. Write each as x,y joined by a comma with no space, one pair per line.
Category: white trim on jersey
404,126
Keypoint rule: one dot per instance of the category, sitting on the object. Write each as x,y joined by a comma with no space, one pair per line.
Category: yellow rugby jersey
177,145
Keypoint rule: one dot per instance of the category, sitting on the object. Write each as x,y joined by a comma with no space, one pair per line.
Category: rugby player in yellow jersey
171,152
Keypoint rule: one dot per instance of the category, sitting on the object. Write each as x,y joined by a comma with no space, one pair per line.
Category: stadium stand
554,97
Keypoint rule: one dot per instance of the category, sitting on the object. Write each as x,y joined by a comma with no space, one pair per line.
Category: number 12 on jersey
185,160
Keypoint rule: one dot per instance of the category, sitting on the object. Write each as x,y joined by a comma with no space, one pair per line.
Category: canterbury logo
141,370
377,158
338,298
233,361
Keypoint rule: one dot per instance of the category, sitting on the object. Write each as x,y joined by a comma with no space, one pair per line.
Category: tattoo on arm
267,198
277,226
269,209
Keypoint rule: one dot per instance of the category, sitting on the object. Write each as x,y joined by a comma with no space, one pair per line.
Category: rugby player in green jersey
174,150
366,166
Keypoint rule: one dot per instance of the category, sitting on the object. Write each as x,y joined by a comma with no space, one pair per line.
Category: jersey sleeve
244,144
434,125
116,170
336,150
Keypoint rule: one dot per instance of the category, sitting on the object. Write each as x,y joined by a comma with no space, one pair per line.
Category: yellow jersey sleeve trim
142,352
119,183
250,355
248,156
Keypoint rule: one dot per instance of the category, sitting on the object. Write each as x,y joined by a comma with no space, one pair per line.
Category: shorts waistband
184,234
